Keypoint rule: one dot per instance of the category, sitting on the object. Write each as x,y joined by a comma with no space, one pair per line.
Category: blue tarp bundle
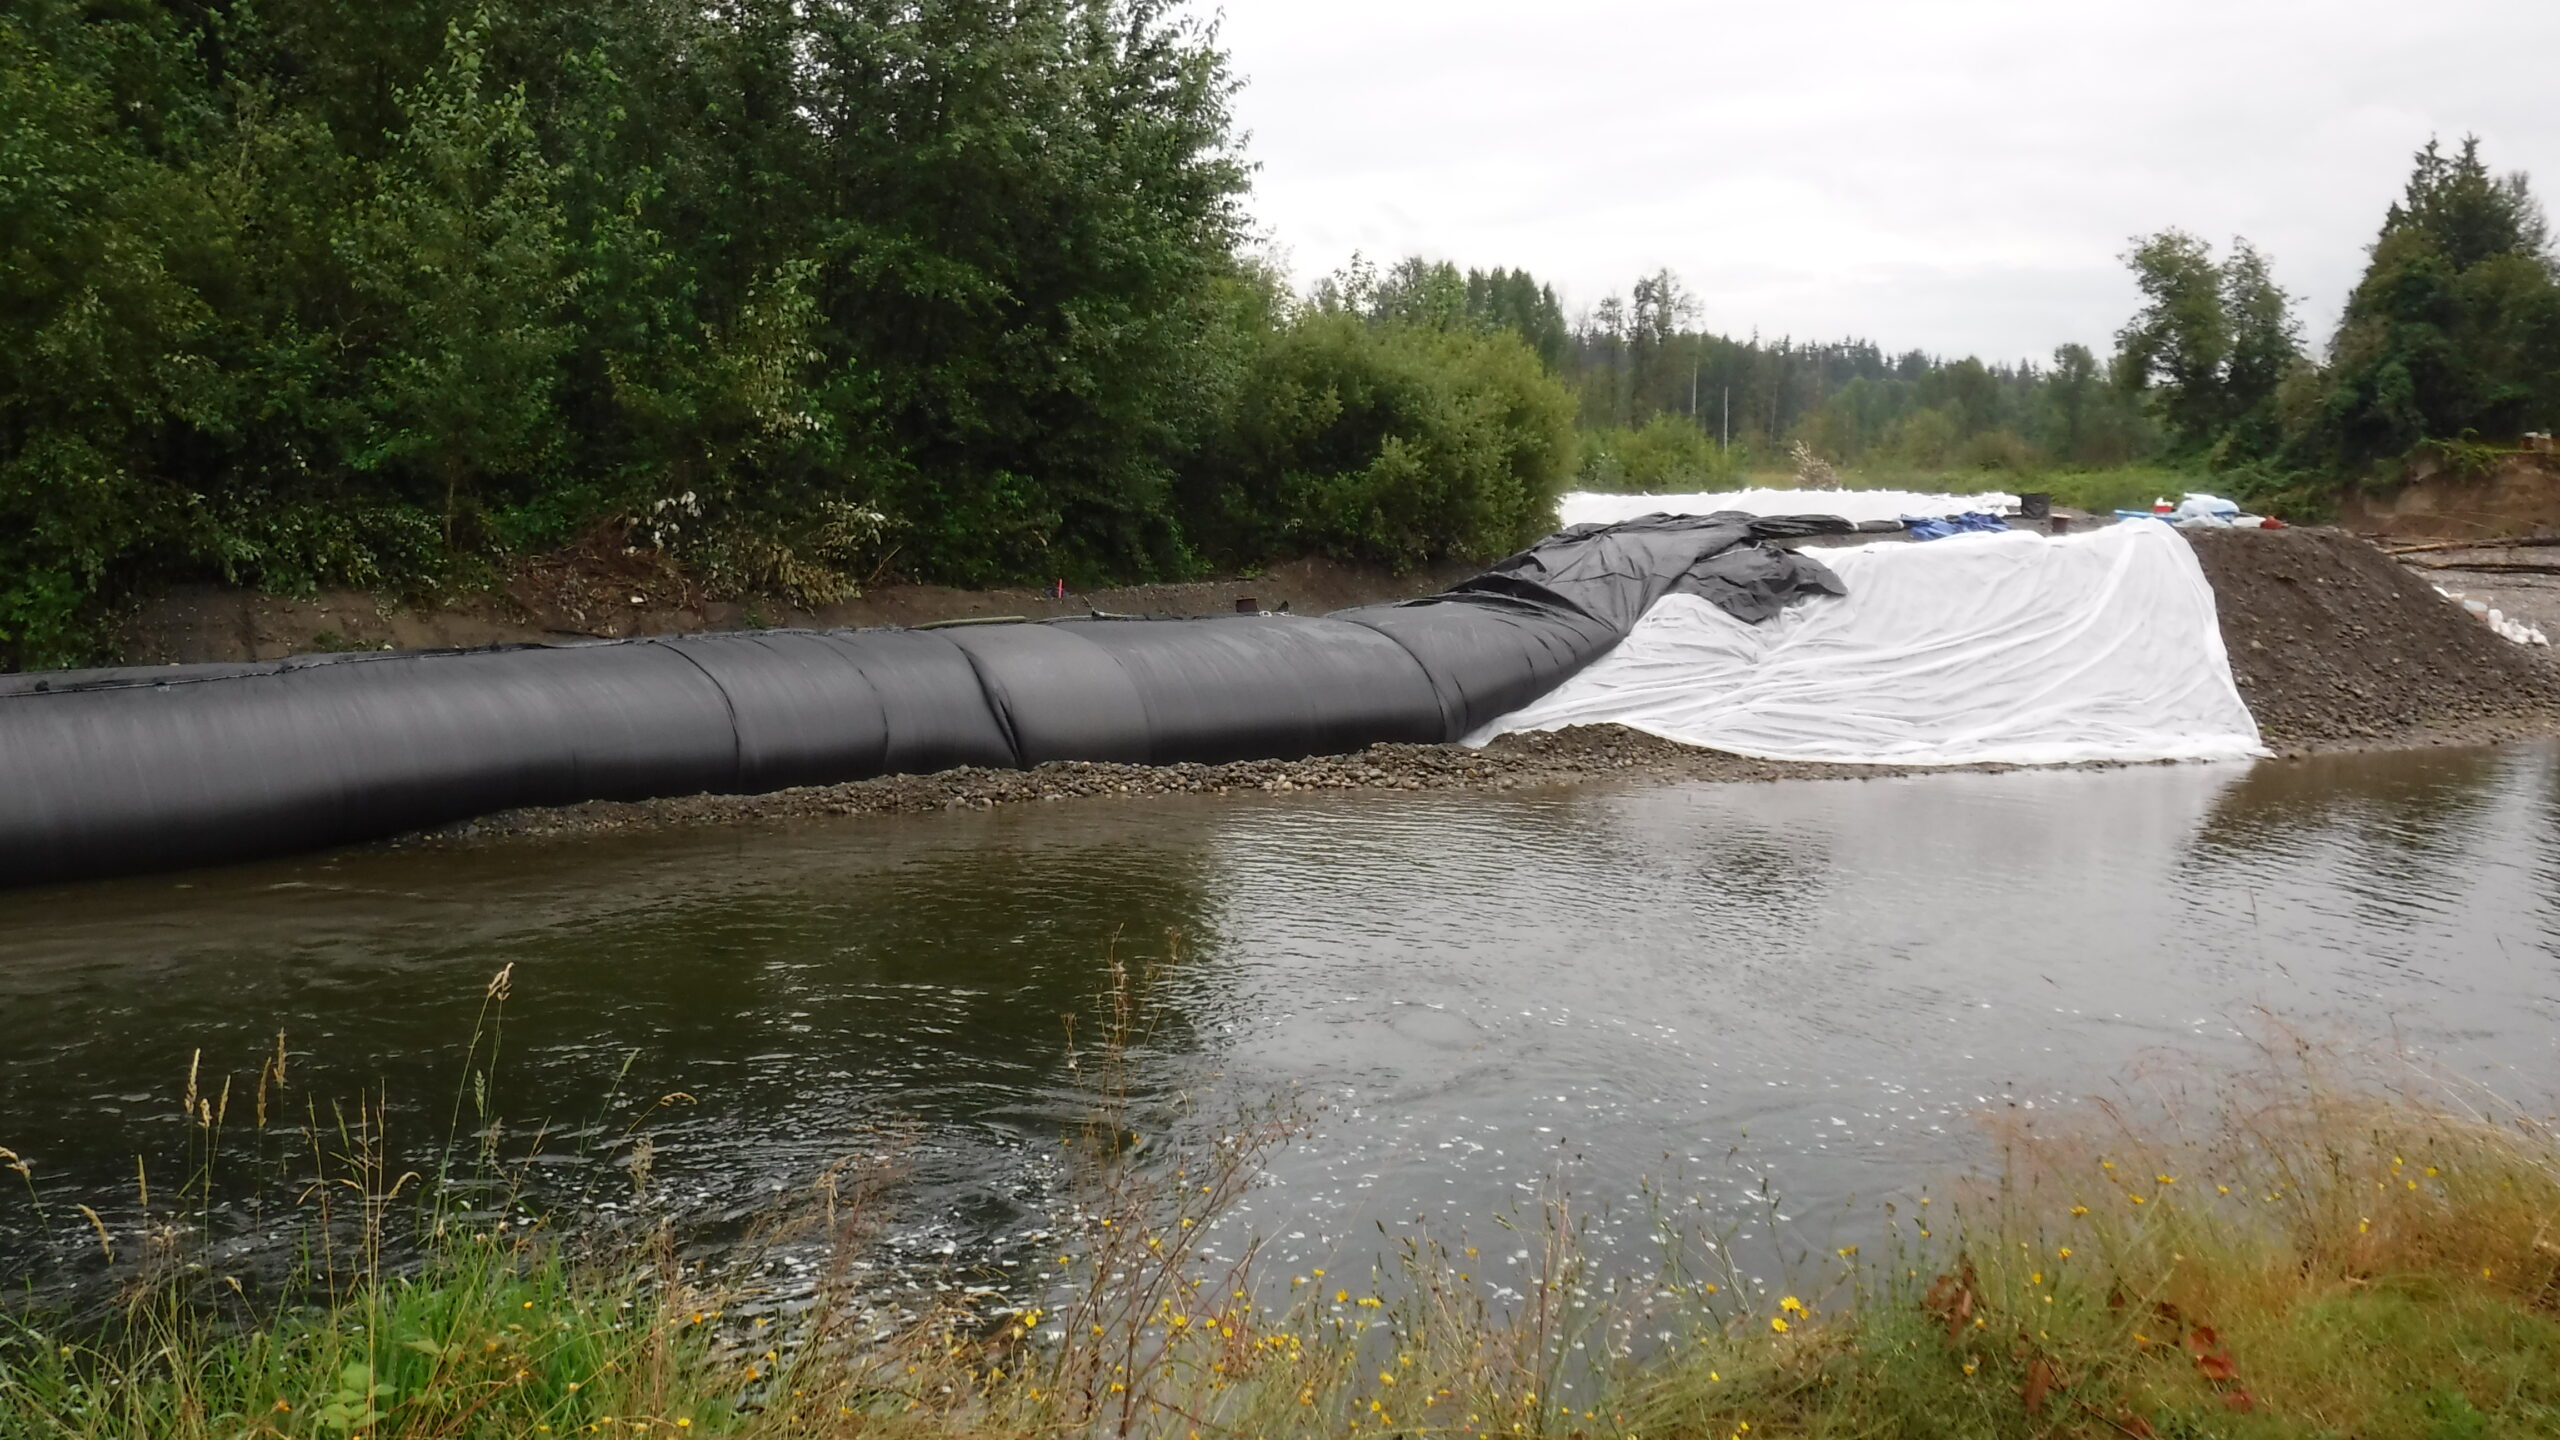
1939,527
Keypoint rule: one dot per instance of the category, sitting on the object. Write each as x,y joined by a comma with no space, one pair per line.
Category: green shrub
1389,442
284,282
1668,454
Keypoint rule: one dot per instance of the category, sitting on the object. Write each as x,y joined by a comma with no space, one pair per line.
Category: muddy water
1814,986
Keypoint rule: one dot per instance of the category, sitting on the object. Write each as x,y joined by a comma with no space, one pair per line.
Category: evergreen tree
2455,327
1513,300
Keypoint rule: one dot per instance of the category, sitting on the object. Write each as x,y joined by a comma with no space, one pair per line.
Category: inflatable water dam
117,771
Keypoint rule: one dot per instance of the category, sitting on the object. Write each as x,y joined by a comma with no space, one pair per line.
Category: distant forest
798,296
2452,338
1659,404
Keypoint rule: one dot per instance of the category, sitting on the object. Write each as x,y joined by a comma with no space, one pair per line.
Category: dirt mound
2515,495
601,593
2334,643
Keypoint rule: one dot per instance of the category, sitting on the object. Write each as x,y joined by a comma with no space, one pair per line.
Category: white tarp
2007,648
1586,507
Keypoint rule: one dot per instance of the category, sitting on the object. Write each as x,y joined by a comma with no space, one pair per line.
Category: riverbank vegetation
2310,1250
800,298
797,296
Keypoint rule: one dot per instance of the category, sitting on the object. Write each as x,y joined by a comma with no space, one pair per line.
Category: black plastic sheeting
151,768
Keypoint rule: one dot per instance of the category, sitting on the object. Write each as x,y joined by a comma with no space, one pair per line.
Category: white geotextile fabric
1586,507
2006,648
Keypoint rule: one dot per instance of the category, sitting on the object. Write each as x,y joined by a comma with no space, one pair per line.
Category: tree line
2452,337
800,292
805,294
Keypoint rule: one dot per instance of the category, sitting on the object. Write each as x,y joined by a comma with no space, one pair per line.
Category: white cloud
1952,175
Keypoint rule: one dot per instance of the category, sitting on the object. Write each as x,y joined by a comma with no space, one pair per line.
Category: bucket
2034,505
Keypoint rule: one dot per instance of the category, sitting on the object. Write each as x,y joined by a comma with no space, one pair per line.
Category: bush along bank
2306,1252
795,298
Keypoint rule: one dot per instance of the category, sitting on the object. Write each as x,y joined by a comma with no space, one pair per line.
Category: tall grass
2320,1256
2312,1250
416,1301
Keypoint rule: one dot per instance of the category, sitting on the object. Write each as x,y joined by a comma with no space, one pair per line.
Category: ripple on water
1694,989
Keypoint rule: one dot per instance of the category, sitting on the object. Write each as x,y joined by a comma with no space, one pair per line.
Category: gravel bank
1512,762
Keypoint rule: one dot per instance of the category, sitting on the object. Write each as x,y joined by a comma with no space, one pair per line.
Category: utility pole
1693,392
1727,442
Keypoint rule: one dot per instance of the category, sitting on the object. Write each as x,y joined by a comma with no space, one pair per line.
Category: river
1813,986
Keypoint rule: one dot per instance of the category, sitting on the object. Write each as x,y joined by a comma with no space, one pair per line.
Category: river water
1816,986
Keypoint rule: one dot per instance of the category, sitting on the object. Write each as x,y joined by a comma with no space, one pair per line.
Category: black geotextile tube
151,768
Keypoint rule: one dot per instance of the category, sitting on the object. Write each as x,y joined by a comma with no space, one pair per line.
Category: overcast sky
1953,175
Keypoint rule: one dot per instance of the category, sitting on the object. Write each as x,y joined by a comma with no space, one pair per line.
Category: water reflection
2410,814
798,990
1707,988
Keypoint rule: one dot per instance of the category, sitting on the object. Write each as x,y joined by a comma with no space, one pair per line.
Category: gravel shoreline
1511,762
1582,755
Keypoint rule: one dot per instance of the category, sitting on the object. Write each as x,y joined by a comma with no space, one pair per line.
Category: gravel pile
2335,644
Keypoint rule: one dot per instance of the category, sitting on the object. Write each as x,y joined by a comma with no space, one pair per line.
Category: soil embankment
2519,494
2488,535
586,597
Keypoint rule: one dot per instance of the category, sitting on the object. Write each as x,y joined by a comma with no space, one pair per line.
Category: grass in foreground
2329,1260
